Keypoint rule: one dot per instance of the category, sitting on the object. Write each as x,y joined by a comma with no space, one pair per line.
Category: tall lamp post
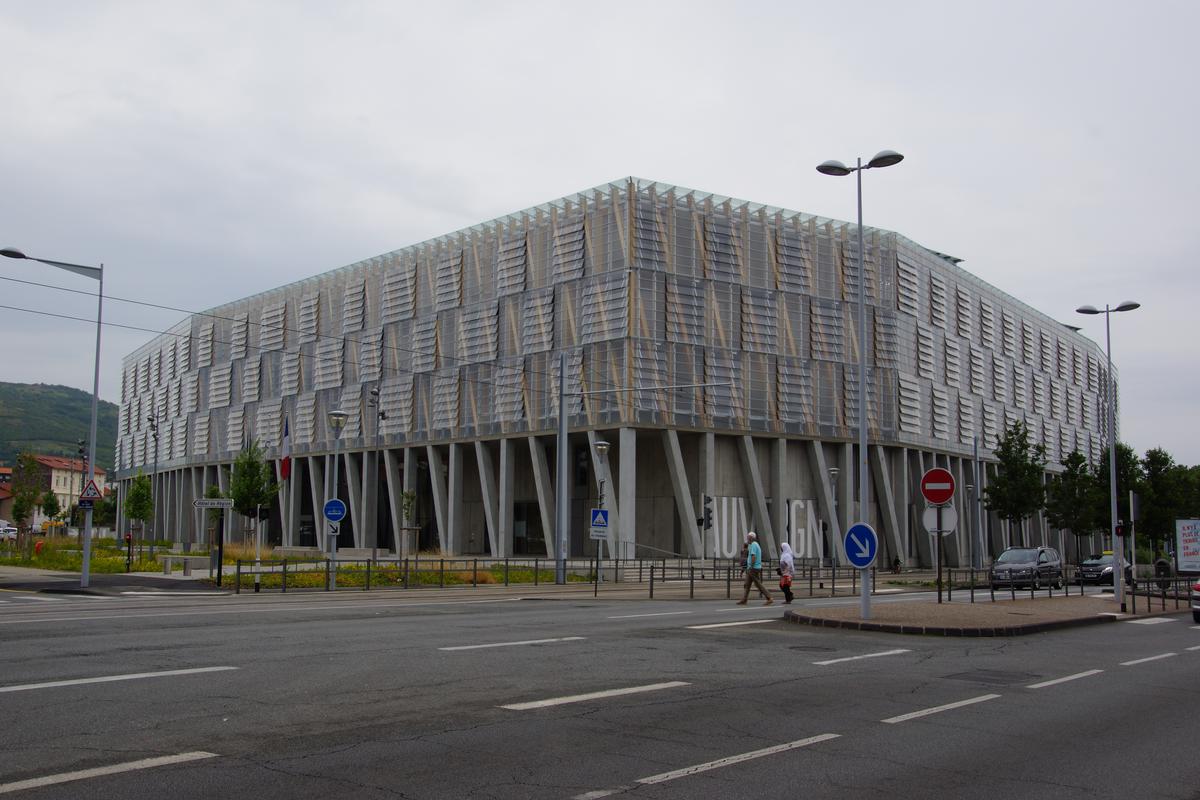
601,453
1118,548
337,419
884,158
380,418
153,420
96,273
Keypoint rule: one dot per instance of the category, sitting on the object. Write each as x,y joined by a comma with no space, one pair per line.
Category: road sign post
862,546
598,532
224,504
334,512
937,487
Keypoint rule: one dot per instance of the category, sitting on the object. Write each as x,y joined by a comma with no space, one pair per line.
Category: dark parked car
1196,600
1097,569
1028,566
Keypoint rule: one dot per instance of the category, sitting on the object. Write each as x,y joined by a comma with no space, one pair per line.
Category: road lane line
514,644
1148,621
1197,647
938,709
747,608
24,687
208,612
96,772
580,698
1057,681
728,624
738,759
1144,660
858,658
657,614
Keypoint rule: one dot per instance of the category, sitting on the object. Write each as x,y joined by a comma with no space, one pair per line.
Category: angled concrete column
779,504
683,495
455,536
487,486
437,481
758,498
351,467
825,494
391,474
318,488
900,509
545,492
882,480
504,522
370,499
627,495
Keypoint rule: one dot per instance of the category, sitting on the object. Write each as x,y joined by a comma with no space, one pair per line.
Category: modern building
711,342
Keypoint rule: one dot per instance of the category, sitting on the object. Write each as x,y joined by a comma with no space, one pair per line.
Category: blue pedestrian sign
599,526
335,510
862,545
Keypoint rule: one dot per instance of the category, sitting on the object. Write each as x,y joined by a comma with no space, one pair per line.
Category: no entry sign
937,486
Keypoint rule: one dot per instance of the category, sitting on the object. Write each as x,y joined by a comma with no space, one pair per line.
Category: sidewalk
52,582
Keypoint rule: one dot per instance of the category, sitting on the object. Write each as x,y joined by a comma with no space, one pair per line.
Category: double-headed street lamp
96,273
884,158
1118,548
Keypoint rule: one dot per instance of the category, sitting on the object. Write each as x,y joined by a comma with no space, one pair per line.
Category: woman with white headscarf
787,568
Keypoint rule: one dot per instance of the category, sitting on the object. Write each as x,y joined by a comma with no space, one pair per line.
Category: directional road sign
949,519
862,545
937,486
212,502
335,510
333,528
599,527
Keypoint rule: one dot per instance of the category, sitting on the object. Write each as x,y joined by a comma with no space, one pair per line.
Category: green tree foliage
27,487
1071,497
50,506
1164,496
1129,478
41,418
1016,491
252,483
139,502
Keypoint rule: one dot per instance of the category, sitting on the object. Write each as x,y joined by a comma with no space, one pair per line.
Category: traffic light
707,512
1120,527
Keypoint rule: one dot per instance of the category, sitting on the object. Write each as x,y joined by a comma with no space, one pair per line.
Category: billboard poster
1187,544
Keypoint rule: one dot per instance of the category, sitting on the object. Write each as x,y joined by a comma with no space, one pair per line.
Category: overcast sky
207,151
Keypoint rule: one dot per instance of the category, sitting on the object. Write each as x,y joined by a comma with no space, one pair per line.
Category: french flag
285,453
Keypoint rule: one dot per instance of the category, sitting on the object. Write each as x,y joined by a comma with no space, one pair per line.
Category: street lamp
884,158
153,420
337,419
1118,550
601,452
380,417
96,273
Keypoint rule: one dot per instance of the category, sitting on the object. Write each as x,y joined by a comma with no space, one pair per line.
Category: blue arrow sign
599,517
335,510
862,545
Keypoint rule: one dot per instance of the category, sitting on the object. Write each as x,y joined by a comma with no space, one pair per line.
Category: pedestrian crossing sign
599,517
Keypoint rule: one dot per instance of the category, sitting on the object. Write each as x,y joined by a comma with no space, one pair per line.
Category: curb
936,630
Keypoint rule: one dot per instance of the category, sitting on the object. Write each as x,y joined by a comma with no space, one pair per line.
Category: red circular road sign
937,486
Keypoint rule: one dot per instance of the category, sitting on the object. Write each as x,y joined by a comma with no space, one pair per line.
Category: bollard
441,573
506,571
285,576
691,582
238,578
651,580
367,585
535,572
729,583
327,574
475,573
406,572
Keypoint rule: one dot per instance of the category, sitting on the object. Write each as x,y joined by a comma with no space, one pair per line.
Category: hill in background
51,420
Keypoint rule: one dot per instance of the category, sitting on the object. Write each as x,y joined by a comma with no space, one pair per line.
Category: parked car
1097,569
1028,566
1196,600
8,534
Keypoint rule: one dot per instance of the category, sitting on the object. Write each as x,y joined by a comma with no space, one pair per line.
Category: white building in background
445,356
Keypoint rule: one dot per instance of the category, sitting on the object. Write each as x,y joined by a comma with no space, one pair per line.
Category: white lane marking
293,607
1197,647
112,769
41,599
658,614
132,593
937,709
857,658
727,761
1056,681
1148,621
1144,660
514,644
580,698
728,624
596,795
746,608
111,678
886,591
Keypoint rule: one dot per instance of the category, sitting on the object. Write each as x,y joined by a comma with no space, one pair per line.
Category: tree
1071,499
27,483
252,484
1129,478
1016,492
50,506
139,502
1163,496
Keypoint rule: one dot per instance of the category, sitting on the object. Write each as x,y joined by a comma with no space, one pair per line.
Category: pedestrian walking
787,568
754,570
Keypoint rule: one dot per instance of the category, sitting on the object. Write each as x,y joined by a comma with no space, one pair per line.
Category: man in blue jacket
754,570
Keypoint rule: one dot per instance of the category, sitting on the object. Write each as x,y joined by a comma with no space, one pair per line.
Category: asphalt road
441,695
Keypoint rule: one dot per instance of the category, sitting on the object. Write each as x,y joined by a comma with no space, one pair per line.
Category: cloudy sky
207,151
